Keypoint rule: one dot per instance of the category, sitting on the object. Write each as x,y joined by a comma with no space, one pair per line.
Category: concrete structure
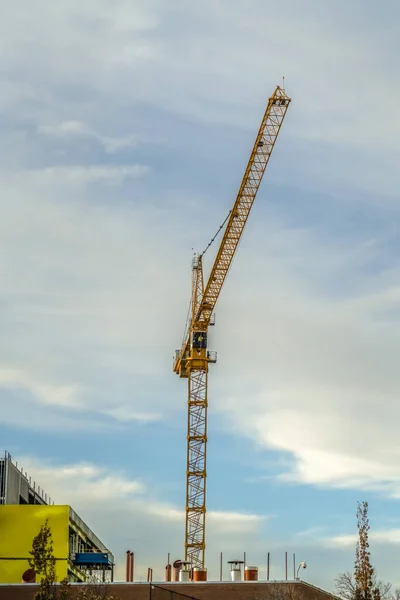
249,590
78,551
16,487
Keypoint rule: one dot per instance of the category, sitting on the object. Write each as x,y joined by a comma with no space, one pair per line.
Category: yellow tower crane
192,360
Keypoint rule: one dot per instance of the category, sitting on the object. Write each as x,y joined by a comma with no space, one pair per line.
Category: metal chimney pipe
168,569
286,566
220,568
268,566
132,563
128,570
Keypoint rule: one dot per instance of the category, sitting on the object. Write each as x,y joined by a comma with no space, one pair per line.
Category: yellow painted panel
18,526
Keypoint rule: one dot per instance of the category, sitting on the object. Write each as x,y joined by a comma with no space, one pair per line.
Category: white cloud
77,129
234,522
217,521
318,371
389,536
92,173
110,261
65,129
77,483
343,541
92,267
45,392
144,51
125,414
155,56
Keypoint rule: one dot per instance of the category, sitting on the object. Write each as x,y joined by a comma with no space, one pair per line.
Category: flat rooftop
210,590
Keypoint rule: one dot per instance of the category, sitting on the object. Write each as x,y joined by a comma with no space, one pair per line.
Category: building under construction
24,508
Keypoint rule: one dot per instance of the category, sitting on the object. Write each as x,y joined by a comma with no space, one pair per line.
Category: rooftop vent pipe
236,572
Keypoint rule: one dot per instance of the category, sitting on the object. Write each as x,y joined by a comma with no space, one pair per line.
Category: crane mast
193,358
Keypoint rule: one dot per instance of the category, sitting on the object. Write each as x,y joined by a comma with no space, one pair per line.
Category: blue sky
125,128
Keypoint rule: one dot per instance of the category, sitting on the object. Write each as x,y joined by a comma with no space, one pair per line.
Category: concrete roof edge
177,584
310,585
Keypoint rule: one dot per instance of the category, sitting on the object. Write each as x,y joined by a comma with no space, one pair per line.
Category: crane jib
259,157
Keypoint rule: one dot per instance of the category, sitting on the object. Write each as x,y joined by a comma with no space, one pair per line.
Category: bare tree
95,591
43,562
285,591
363,570
345,587
363,584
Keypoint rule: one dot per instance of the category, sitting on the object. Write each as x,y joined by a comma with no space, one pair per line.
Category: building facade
24,508
79,554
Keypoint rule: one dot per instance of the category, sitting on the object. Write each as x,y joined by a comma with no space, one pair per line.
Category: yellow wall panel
18,526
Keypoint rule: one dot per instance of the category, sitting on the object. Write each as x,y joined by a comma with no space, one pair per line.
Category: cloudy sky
125,127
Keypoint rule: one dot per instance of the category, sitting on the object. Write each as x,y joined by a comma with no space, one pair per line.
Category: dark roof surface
249,590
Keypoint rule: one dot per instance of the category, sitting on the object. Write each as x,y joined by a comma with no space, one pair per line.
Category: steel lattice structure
193,359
